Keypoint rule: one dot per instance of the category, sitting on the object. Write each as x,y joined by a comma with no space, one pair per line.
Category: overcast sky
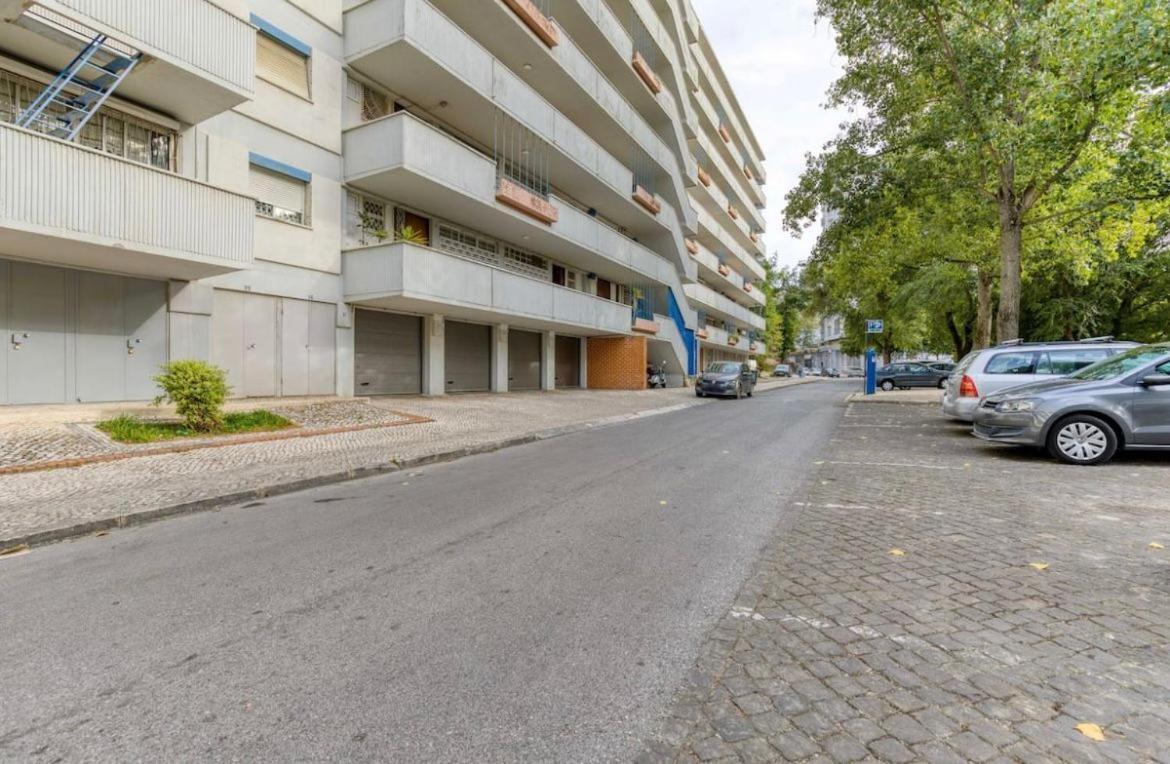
780,63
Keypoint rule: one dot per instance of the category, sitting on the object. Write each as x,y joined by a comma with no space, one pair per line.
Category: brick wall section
616,363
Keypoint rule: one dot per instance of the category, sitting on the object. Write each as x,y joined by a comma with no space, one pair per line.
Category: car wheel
698,394
887,385
1082,439
738,391
942,384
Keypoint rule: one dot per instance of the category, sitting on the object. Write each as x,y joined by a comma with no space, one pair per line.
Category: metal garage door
468,357
387,355
35,352
523,360
79,336
568,362
307,347
243,343
121,337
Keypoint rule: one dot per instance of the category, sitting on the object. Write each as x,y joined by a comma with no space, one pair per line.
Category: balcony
712,271
401,157
69,205
714,235
576,85
199,58
717,305
402,276
718,337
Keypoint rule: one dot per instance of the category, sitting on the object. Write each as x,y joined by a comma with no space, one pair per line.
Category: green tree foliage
198,391
989,135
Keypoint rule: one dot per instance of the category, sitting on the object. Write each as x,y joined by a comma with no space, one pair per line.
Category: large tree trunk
1010,235
983,309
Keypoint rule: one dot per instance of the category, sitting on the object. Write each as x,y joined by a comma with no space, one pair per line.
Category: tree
1010,103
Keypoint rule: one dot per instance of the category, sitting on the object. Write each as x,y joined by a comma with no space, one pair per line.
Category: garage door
79,336
307,347
468,357
244,341
387,353
523,360
568,361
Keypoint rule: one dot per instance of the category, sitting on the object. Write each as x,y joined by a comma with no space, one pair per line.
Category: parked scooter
656,376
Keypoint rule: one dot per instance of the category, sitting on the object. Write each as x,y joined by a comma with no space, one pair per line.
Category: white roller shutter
282,66
277,195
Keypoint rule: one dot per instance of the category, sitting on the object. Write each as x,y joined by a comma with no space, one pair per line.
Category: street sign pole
872,326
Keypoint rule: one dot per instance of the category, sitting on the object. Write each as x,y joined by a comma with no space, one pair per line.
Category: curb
869,399
131,519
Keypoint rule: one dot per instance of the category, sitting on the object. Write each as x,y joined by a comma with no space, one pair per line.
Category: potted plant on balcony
410,235
732,339
373,227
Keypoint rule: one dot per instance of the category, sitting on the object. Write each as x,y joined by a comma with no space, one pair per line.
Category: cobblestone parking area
937,599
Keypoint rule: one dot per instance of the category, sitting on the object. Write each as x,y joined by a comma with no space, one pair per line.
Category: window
467,244
1064,362
523,261
279,195
282,59
365,220
110,130
1011,363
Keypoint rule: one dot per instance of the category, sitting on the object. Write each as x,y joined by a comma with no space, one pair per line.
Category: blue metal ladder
95,88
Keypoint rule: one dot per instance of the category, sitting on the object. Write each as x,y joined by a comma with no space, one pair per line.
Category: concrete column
344,361
548,360
434,360
500,358
584,363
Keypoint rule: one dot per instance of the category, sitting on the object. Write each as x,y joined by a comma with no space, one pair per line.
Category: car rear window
1011,363
967,360
1063,362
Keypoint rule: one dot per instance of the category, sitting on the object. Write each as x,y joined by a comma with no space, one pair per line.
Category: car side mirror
1156,380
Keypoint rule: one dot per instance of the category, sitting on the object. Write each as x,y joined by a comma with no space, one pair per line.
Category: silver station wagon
988,371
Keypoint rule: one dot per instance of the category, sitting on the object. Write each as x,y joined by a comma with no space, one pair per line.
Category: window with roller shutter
282,66
279,196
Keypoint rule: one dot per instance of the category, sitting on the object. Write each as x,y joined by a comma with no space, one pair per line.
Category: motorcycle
655,376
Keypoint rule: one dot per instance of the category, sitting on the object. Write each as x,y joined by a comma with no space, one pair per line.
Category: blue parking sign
874,326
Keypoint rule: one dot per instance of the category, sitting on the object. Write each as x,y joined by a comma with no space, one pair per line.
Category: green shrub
198,391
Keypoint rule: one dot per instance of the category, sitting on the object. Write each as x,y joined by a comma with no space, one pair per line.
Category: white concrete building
369,196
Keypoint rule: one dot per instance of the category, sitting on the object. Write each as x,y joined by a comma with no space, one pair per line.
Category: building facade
368,197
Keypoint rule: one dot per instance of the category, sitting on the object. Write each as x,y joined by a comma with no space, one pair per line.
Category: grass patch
131,429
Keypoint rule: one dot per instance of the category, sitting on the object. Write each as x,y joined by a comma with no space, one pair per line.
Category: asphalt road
536,603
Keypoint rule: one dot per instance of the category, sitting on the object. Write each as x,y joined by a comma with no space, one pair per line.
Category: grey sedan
1121,402
726,379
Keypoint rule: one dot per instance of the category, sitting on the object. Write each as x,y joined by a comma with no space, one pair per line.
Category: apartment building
369,197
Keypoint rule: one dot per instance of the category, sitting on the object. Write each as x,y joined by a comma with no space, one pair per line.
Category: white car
987,371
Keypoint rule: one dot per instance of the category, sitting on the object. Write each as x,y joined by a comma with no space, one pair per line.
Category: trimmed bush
198,391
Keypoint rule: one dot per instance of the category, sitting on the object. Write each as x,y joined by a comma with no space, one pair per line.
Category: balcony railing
52,188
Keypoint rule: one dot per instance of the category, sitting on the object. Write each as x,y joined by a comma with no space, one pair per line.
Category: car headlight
1011,407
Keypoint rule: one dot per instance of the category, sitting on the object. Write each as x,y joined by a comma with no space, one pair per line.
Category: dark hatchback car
909,374
726,379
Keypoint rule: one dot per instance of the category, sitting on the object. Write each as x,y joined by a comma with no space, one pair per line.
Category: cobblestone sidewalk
937,599
47,501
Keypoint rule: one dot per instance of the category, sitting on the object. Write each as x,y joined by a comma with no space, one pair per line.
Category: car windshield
723,368
1122,363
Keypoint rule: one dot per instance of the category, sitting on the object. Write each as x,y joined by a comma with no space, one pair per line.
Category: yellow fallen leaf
1038,565
897,553
1156,545
662,503
1091,731
13,551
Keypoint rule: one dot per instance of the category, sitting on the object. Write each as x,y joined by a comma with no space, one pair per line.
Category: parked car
782,370
984,372
727,379
1086,417
946,366
832,373
853,371
907,374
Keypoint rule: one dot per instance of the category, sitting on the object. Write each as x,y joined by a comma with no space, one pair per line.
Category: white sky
780,62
